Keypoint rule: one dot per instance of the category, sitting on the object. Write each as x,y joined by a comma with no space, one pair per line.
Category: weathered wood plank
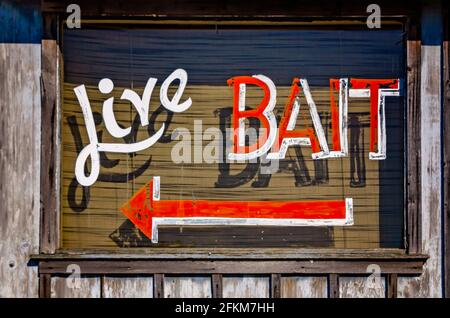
447,162
304,287
20,109
232,267
235,253
50,139
333,286
406,287
362,287
392,290
446,118
45,285
275,286
82,287
430,283
246,287
217,285
187,287
158,286
413,221
127,287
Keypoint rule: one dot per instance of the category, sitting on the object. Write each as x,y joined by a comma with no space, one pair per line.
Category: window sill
233,261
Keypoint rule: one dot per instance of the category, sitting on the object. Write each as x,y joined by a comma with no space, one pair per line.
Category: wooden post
413,189
333,286
275,286
50,118
20,108
430,284
45,285
217,288
446,86
392,286
158,286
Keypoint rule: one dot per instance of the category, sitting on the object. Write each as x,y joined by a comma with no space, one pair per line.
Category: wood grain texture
187,287
430,283
45,285
409,267
158,285
407,287
392,288
333,286
446,86
127,287
50,139
275,286
88,287
303,287
431,172
446,135
246,287
361,287
262,253
217,285
20,107
413,113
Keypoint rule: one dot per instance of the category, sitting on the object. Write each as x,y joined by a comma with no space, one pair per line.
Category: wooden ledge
233,261
230,253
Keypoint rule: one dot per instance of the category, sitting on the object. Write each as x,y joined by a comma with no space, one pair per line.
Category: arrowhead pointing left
138,209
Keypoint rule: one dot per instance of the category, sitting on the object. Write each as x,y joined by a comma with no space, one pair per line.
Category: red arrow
146,211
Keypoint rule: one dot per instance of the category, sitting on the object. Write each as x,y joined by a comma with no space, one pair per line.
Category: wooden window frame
446,141
218,261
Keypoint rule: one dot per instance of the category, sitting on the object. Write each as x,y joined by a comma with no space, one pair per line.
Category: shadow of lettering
105,162
357,152
165,138
293,164
225,179
128,235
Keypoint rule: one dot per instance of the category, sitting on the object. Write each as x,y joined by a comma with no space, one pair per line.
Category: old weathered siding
303,287
20,109
50,139
446,82
182,287
82,287
246,287
127,287
429,284
358,287
19,172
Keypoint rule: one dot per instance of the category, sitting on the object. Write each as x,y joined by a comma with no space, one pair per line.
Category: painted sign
162,148
145,209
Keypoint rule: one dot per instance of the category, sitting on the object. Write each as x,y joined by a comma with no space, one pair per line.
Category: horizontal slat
283,8
405,266
233,253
